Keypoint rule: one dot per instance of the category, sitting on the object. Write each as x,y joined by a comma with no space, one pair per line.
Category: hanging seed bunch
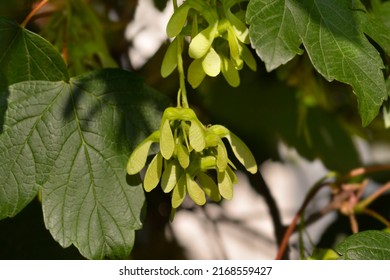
218,37
192,157
189,153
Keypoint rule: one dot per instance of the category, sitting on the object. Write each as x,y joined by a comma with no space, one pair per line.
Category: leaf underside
331,33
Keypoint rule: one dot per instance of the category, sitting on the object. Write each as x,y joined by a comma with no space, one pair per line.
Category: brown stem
367,201
377,216
298,215
366,170
354,223
313,192
33,12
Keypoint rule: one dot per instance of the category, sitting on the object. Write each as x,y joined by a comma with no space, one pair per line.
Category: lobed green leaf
72,140
273,31
332,34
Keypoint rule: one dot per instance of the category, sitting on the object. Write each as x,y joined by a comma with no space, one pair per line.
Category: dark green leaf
331,34
376,29
72,141
273,31
81,32
382,10
26,56
366,245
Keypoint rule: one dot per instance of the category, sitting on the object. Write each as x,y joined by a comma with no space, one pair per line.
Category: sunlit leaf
273,31
71,141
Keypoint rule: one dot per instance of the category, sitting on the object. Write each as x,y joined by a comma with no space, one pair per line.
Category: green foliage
26,56
69,141
332,33
79,24
366,245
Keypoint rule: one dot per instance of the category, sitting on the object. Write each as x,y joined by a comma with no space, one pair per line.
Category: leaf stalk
33,12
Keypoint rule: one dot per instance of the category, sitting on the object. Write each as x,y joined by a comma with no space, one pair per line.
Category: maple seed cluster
218,39
188,151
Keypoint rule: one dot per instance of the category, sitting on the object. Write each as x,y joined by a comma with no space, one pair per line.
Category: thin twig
377,216
298,215
354,223
33,12
367,201
354,173
365,170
